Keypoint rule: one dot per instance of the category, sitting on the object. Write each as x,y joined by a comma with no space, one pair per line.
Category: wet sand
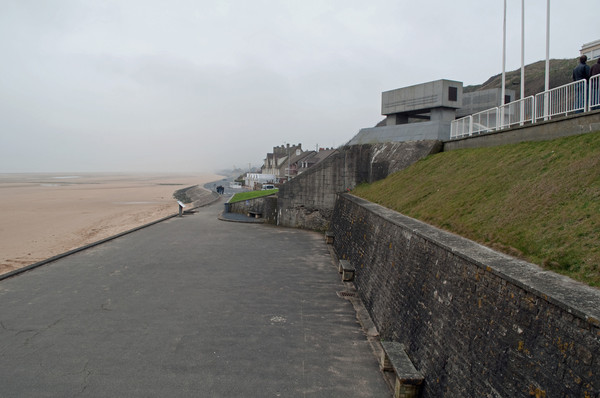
42,215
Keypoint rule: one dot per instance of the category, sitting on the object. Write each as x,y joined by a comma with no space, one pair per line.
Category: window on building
452,94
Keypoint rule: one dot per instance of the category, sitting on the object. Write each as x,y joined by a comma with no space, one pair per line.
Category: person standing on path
581,71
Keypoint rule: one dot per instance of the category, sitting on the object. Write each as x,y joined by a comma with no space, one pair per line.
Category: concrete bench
408,379
254,214
329,237
347,270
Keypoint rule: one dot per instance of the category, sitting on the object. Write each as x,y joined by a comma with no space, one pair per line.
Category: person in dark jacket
595,86
581,71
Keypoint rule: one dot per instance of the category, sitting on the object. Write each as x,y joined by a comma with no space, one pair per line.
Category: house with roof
314,158
276,162
283,161
256,180
591,50
287,161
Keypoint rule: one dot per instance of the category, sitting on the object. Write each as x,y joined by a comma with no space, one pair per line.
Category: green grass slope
239,197
539,201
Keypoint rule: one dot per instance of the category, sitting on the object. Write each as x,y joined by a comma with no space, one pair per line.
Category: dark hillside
561,71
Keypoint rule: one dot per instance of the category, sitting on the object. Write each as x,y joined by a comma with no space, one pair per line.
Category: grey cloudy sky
196,85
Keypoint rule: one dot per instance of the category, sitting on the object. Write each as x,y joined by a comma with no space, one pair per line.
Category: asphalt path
189,307
226,184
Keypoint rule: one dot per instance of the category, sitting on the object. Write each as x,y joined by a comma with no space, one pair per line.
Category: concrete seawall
474,322
307,201
265,206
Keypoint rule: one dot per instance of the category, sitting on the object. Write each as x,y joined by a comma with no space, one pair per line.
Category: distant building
592,50
314,158
434,103
286,162
256,180
277,162
481,100
291,169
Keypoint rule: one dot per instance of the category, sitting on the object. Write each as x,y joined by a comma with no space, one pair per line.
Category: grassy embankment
238,197
538,201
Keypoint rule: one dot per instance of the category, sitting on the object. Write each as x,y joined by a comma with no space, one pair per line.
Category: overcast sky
196,85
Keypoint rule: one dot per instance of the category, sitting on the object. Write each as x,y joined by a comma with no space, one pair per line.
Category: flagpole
500,123
547,78
522,49
503,55
522,108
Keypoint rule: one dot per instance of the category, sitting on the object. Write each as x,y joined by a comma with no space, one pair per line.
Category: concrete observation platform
188,307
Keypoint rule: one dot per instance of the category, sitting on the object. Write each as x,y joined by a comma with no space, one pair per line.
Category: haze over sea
46,214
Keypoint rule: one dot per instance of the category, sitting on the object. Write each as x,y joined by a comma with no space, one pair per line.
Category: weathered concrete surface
196,196
481,100
422,97
431,130
266,206
474,322
188,307
307,201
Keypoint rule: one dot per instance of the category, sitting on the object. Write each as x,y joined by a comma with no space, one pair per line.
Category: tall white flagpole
547,78
522,107
547,81
503,55
522,49
500,123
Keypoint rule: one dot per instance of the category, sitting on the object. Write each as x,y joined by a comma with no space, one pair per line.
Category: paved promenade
189,307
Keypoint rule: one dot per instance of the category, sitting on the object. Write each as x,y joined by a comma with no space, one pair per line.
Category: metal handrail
477,123
568,98
485,121
594,92
461,127
517,112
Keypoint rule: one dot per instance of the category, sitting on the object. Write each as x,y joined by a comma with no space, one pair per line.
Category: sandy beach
42,215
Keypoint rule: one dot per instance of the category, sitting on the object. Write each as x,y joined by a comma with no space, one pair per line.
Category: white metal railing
517,112
595,92
485,121
461,127
477,123
568,98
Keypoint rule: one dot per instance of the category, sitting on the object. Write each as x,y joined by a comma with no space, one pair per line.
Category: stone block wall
266,205
475,323
307,201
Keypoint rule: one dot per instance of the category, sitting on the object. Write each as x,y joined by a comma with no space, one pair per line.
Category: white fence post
594,101
470,124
